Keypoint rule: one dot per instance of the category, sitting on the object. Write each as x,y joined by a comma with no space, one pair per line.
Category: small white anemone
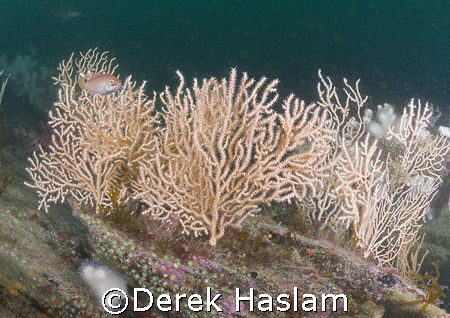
386,115
385,119
445,131
375,130
101,278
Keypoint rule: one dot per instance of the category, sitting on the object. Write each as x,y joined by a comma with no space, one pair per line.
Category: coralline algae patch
162,274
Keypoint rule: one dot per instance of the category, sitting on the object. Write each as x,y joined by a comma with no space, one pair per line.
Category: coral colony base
218,151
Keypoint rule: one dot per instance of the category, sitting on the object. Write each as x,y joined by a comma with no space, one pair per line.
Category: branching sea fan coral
380,189
97,140
224,151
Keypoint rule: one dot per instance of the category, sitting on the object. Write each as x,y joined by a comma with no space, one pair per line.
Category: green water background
400,49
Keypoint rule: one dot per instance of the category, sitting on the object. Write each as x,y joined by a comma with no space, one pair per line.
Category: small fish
102,84
67,10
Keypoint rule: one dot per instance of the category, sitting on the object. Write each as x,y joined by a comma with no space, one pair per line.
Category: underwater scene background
398,49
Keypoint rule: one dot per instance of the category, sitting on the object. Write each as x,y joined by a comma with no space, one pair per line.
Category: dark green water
400,49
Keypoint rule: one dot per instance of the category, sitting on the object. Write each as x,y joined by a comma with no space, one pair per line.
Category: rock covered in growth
275,264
